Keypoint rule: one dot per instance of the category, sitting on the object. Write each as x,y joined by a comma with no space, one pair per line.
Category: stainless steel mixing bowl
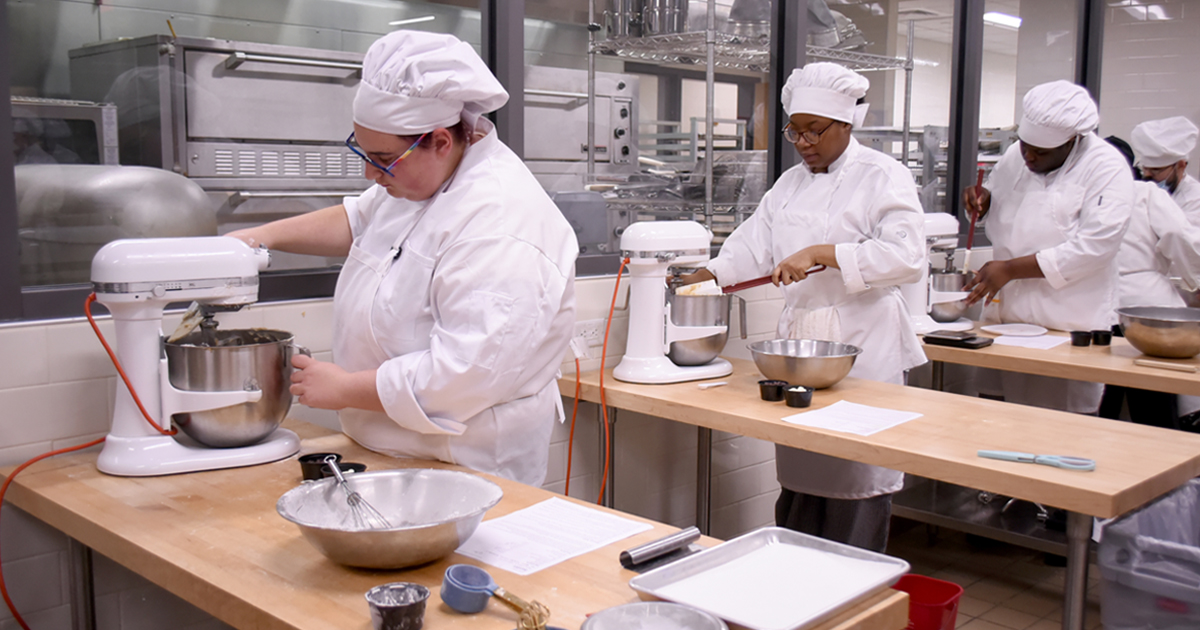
1160,331
943,312
699,310
432,512
807,362
241,360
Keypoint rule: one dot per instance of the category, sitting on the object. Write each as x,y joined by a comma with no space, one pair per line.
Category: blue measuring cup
467,588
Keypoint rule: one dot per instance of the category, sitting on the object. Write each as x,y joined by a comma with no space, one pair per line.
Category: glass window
1148,68
241,109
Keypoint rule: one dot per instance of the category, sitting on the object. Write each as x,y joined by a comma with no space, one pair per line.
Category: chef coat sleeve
894,251
360,208
747,253
503,316
1100,226
1177,237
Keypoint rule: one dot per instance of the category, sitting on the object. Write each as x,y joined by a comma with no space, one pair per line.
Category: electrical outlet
591,330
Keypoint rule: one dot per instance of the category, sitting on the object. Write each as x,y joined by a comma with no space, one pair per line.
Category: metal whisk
365,515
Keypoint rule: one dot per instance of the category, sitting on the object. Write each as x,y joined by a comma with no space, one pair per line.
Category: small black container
311,465
1102,337
1081,338
347,467
398,606
798,396
772,390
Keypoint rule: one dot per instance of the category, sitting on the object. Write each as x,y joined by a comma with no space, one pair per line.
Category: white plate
1018,330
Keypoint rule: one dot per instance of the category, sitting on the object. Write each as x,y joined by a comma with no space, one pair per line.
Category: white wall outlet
591,330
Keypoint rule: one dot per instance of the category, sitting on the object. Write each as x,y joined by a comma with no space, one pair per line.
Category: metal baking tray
772,579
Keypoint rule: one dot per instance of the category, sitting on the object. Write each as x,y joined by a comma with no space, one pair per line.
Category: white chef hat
1055,112
1159,143
828,90
414,82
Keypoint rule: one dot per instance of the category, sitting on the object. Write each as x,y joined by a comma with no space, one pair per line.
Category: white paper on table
544,534
849,417
1044,342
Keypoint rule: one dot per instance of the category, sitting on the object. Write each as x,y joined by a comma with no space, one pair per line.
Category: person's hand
795,268
318,384
250,236
977,204
988,281
698,276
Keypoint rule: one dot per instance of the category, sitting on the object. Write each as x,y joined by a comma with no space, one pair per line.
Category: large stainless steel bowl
1159,331
699,310
432,512
807,362
240,360
948,283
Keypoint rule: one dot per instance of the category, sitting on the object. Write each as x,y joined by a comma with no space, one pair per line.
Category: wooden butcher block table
1134,464
214,539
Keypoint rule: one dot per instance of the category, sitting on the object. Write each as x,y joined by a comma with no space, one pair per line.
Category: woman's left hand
318,384
795,268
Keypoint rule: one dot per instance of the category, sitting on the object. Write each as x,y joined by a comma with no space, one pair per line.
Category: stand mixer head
136,279
653,247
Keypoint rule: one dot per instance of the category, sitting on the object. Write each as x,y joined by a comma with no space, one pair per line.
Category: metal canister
624,18
660,17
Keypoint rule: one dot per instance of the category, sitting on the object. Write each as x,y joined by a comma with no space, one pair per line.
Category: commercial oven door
249,96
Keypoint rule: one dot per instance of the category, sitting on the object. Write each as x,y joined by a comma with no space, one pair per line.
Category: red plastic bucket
932,603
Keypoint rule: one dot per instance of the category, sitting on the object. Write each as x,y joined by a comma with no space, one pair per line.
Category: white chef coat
1073,219
1143,262
1187,196
465,303
867,206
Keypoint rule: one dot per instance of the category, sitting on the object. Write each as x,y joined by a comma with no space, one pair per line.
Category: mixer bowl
241,360
808,362
432,512
698,310
1160,331
951,311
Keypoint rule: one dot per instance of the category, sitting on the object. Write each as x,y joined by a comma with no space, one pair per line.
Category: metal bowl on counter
237,360
1161,331
656,615
431,511
808,362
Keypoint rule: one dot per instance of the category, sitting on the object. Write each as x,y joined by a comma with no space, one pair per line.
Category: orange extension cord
612,308
87,310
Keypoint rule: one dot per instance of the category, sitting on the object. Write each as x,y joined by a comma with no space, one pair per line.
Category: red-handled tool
758,282
974,216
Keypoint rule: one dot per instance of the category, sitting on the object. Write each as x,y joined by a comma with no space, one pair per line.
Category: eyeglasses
811,137
1154,172
352,144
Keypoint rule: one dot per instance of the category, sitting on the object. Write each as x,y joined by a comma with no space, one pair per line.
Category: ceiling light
427,18
1002,19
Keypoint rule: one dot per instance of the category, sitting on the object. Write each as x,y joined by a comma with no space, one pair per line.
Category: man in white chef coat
1057,205
854,210
455,305
1162,148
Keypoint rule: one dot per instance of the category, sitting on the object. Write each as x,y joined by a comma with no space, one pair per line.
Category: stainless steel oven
61,131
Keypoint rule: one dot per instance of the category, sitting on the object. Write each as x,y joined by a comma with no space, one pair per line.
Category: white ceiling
996,39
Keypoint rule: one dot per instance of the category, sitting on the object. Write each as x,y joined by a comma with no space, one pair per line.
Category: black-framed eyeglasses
352,144
811,137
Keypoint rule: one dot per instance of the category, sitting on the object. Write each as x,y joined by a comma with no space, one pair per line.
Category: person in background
457,301
1159,237
1056,206
854,210
1162,148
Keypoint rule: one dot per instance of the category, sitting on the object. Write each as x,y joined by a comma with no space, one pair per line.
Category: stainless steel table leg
608,428
939,375
703,478
1079,536
81,594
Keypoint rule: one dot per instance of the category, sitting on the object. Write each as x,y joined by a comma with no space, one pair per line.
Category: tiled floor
1005,587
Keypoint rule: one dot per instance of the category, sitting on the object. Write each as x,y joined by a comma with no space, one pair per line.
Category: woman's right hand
977,202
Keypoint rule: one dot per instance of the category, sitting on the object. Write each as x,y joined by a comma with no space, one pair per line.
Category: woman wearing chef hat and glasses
856,211
456,302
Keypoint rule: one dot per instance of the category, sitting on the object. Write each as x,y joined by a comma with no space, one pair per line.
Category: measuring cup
467,588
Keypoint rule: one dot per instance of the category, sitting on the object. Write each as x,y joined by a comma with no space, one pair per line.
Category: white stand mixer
941,235
652,248
136,279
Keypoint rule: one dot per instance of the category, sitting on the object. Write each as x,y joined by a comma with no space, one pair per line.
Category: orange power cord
87,310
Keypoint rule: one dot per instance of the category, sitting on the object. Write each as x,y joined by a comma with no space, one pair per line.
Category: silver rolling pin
655,548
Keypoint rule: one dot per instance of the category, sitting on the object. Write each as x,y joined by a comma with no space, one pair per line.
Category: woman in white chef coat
456,302
856,211
1056,205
